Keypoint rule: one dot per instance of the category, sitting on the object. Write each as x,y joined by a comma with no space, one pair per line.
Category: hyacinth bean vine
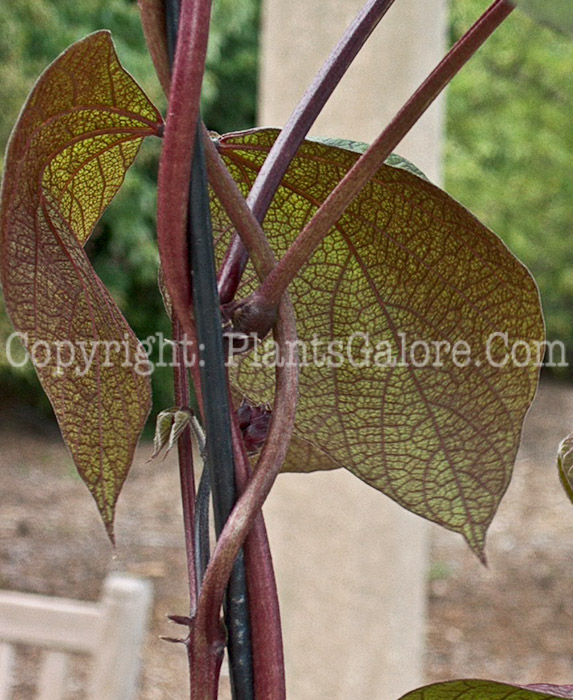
270,239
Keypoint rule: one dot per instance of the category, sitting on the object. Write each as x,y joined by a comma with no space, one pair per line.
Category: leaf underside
488,690
403,259
76,137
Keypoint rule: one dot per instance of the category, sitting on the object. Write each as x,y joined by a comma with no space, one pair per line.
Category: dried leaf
77,135
488,690
169,425
404,258
182,419
163,425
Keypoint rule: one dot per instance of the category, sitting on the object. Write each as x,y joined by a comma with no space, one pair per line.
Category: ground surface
512,621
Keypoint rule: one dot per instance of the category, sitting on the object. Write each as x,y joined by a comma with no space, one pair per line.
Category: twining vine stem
207,637
185,455
217,420
248,506
271,291
292,135
187,33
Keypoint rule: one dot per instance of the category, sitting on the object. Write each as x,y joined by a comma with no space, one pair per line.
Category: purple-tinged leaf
405,263
77,135
488,690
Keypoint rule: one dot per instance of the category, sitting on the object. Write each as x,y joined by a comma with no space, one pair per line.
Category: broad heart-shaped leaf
488,690
557,14
565,465
405,263
76,136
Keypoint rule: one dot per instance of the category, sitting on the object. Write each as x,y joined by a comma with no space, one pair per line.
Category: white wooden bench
110,631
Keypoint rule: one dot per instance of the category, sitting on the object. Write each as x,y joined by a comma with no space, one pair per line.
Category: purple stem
265,614
297,127
268,655
270,293
247,509
176,155
186,475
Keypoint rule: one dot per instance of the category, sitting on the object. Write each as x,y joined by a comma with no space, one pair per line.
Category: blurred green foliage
123,248
508,151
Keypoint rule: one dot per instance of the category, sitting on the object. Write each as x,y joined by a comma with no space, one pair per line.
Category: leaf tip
105,509
109,528
474,535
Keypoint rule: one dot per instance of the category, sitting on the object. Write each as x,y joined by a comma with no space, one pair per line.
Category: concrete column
298,36
350,563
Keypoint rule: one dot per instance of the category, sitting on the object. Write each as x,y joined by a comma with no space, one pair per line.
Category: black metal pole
216,408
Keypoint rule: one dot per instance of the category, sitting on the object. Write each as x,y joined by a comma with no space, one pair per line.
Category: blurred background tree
122,248
508,148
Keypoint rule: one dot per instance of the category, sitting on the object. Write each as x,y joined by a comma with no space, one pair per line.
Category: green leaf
565,465
557,14
488,690
77,135
393,159
403,259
